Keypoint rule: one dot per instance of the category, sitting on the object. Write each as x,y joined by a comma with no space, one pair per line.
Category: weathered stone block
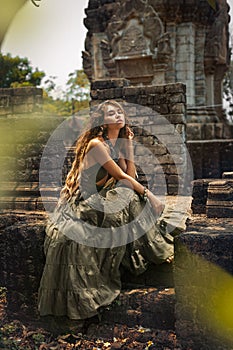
26,91
218,130
181,130
200,194
178,87
22,108
194,131
109,84
171,169
178,108
220,198
176,118
203,283
22,99
154,89
209,131
161,108
227,175
176,148
158,149
131,91
4,101
142,99
94,94
172,189
109,94
162,129
177,98
5,111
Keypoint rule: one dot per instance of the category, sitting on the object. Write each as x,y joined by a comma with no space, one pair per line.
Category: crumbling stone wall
24,132
210,158
21,255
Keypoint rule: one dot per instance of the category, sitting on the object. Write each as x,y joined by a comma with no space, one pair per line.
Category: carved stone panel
133,42
137,70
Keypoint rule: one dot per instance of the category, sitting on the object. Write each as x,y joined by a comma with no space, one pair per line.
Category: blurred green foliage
17,72
74,98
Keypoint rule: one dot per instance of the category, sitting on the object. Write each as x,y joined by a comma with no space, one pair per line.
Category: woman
105,219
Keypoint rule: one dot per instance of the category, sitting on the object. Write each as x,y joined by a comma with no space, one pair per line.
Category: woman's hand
156,204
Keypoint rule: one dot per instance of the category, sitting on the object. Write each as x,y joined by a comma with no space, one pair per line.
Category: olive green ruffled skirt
87,240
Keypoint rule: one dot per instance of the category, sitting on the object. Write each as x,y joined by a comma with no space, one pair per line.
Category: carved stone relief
133,32
132,42
138,37
216,46
150,42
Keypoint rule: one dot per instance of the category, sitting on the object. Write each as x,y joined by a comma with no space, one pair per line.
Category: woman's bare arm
126,159
127,166
100,154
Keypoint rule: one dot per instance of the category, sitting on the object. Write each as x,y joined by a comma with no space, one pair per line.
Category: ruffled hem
75,305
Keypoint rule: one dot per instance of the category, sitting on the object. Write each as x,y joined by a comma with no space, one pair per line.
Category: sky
52,36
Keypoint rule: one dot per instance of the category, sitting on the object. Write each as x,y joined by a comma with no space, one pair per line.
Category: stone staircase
26,195
213,197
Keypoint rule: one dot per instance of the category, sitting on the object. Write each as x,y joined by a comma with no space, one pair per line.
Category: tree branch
34,2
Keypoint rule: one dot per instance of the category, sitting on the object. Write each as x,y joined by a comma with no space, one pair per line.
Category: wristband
145,194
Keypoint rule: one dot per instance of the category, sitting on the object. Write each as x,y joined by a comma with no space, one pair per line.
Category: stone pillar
200,84
218,89
210,89
99,69
170,75
185,59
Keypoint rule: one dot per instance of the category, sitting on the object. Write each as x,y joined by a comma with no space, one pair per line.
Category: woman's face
114,116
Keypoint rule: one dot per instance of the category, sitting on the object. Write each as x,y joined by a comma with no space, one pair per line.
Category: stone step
27,196
145,307
10,188
27,203
220,198
155,276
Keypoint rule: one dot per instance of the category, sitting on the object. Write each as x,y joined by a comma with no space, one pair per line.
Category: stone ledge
109,84
148,307
203,283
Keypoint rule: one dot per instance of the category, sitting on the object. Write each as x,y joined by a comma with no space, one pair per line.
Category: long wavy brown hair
95,129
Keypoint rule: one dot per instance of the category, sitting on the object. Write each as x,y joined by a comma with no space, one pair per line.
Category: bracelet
145,194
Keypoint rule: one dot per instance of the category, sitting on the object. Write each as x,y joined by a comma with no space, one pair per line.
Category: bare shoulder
96,141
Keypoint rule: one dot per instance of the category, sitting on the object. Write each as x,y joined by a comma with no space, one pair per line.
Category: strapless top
89,177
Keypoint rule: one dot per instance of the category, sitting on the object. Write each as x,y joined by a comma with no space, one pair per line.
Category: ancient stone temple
159,42
169,58
156,42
